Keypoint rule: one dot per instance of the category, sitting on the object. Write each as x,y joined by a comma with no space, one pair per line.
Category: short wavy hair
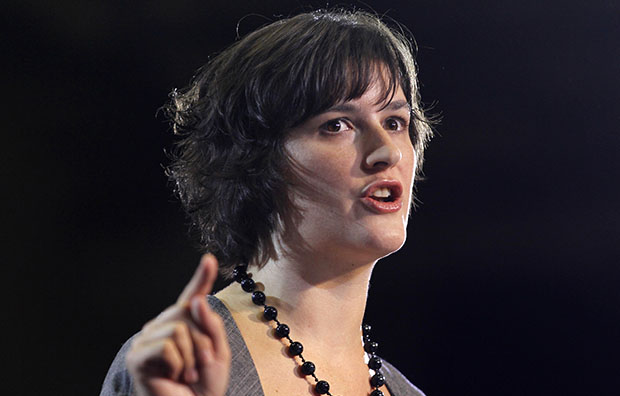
229,168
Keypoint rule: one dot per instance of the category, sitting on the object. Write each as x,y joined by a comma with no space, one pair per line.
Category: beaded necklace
295,348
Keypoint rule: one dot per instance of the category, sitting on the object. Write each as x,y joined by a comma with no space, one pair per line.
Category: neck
315,297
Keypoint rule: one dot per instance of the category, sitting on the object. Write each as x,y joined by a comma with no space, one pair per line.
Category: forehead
381,91
374,98
317,80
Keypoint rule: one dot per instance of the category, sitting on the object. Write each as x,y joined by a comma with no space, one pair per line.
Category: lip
396,189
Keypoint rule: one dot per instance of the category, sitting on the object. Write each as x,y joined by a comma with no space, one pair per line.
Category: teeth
381,193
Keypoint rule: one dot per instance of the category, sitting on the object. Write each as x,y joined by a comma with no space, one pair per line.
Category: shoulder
397,383
117,381
244,378
232,331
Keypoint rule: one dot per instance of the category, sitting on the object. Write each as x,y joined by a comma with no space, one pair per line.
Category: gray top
244,379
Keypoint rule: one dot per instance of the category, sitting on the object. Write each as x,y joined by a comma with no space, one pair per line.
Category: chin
394,245
382,245
386,234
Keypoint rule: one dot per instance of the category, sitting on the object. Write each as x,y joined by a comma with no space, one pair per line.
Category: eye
396,124
335,126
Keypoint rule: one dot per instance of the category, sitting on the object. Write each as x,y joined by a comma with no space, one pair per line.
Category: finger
160,358
213,371
211,324
202,280
179,333
203,348
173,313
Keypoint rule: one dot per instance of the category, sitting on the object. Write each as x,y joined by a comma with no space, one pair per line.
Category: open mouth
383,196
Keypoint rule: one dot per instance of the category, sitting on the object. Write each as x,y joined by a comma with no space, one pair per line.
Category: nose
382,152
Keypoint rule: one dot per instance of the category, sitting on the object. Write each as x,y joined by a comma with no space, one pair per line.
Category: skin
319,280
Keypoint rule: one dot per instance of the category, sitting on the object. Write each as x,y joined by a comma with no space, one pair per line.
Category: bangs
346,69
337,61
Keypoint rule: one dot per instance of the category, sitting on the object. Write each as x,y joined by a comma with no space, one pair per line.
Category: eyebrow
397,105
348,107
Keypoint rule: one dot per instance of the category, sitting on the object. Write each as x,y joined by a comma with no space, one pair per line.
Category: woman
300,147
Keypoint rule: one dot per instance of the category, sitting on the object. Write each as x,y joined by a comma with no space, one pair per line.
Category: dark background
509,282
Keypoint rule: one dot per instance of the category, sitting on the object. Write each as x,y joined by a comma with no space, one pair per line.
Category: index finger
202,281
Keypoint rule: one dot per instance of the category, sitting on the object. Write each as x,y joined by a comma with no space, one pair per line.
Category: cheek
334,173
409,157
408,168
324,167
413,165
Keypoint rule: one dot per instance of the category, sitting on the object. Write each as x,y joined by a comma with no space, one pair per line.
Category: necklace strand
295,348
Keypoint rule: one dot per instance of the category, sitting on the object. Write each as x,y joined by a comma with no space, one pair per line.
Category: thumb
202,281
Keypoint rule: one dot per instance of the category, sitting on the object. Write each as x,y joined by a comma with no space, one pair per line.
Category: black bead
258,297
374,363
377,380
366,329
248,285
366,339
282,330
371,347
322,387
376,392
308,368
295,348
270,312
239,273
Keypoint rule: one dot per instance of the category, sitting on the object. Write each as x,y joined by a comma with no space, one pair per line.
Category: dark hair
230,168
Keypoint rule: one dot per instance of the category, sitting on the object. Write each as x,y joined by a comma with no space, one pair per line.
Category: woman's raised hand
184,350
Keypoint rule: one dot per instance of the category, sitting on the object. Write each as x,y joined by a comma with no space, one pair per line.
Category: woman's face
359,164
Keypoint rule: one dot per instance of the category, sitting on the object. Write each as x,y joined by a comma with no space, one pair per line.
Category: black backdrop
508,284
